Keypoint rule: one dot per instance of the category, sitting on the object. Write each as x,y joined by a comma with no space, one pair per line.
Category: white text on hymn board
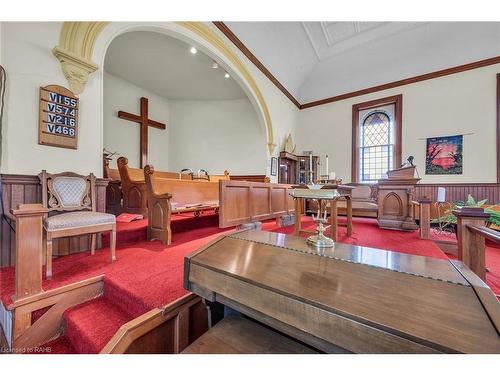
61,120
60,129
56,108
58,98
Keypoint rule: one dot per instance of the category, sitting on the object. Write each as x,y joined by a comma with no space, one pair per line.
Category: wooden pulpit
395,199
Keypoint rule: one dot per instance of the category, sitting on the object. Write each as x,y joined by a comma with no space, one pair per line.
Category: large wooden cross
144,122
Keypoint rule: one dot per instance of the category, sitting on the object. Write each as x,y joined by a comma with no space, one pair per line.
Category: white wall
27,57
455,104
26,51
213,135
123,136
216,136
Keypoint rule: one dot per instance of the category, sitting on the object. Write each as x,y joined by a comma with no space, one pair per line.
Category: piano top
429,301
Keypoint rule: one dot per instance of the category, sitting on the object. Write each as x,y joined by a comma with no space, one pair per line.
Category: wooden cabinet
303,169
287,168
295,169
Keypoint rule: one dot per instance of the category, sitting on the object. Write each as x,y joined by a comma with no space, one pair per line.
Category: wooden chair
74,196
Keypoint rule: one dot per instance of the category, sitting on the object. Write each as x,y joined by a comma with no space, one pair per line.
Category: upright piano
346,299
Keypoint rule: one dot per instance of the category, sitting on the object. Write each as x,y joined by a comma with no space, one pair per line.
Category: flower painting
444,155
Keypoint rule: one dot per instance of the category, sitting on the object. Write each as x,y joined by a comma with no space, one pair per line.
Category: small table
331,193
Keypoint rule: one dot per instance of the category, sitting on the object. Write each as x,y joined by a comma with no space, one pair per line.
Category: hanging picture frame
274,166
444,155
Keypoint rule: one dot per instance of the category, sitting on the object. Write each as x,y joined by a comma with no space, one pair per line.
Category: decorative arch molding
76,46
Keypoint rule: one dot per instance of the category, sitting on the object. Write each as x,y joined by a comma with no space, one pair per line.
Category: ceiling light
215,65
226,75
193,50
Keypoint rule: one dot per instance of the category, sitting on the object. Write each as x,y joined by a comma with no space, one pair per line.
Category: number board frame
58,120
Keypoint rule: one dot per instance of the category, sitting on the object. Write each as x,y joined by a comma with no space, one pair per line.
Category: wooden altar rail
167,330
244,202
21,189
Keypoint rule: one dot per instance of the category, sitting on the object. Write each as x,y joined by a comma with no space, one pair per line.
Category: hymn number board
58,124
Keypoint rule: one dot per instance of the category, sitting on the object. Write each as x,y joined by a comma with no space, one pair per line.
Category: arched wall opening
211,123
206,43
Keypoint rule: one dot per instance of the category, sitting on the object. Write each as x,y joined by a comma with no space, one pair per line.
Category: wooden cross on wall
144,122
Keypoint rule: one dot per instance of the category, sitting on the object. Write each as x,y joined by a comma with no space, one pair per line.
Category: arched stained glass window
376,151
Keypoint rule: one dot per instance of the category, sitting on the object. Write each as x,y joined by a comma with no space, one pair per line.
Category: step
89,326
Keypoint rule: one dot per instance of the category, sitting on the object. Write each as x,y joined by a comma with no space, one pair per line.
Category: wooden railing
486,232
471,235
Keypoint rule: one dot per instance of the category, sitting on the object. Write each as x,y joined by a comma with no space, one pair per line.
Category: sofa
364,201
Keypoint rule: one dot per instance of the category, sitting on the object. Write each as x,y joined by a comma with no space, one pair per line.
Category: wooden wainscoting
459,192
19,189
242,202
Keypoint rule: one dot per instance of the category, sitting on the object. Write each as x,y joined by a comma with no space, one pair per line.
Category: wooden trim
239,44
498,128
397,100
488,300
49,325
55,292
402,82
131,331
406,81
486,232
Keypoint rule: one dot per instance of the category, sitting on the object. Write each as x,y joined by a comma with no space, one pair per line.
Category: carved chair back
68,191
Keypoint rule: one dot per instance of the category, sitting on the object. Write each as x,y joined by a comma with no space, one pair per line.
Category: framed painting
274,166
444,155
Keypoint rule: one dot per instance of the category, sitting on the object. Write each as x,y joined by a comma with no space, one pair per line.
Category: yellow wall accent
76,44
79,37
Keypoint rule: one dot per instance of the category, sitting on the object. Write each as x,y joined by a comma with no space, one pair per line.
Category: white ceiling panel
283,47
315,60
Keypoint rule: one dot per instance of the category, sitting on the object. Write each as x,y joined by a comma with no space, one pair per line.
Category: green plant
448,219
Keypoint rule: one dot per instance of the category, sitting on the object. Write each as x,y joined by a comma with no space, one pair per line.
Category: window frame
397,100
390,134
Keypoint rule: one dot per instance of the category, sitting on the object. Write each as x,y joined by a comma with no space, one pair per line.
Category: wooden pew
113,190
133,185
189,196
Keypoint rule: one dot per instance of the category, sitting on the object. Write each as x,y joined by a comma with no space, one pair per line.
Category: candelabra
319,239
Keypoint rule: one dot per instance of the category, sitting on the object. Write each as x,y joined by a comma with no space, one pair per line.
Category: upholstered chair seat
71,201
78,219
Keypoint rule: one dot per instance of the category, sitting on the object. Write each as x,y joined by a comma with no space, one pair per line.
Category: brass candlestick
319,239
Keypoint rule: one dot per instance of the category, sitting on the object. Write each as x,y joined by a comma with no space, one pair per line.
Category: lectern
395,199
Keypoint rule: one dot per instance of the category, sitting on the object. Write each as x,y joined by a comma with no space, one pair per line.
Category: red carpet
367,233
148,275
